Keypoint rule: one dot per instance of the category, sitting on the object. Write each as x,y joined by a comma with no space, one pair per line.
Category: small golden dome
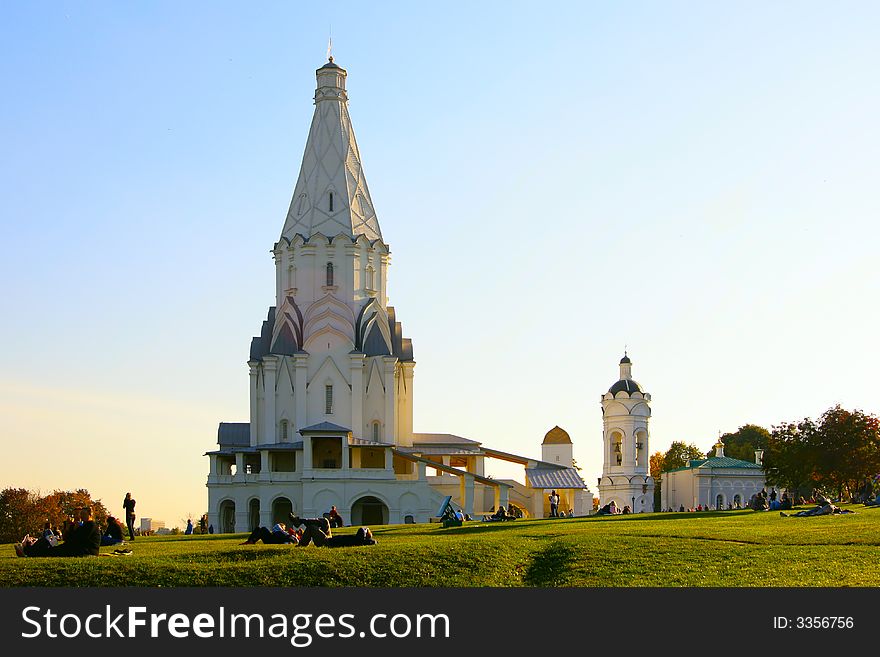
557,436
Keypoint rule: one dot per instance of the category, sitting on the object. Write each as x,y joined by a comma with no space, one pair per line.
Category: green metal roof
718,462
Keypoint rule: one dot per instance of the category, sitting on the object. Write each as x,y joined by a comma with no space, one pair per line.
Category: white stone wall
558,453
311,498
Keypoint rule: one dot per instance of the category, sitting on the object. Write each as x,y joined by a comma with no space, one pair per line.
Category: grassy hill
740,548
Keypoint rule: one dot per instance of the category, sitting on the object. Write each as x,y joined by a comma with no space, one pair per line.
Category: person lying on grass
317,531
278,535
79,541
826,509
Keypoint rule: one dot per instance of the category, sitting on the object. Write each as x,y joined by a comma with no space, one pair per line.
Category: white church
332,380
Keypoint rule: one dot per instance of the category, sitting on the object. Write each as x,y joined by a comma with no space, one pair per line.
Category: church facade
331,375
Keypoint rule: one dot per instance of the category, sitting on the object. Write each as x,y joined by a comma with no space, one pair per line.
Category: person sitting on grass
278,535
334,518
759,503
500,515
79,541
317,531
785,505
113,533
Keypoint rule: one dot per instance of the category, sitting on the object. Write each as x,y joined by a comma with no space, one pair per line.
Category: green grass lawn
740,548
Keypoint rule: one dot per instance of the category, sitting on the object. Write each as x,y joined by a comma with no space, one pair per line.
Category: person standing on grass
128,504
554,504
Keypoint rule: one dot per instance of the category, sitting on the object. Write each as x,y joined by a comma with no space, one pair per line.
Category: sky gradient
696,181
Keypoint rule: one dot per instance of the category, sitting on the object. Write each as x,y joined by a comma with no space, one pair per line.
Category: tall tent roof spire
331,194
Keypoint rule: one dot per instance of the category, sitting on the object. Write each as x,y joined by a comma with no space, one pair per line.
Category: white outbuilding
718,482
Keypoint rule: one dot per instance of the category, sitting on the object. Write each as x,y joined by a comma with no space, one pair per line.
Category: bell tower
626,477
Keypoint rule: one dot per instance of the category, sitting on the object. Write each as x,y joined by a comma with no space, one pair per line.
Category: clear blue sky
698,181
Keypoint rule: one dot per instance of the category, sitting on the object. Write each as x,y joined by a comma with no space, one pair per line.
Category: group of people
80,537
303,531
764,501
501,514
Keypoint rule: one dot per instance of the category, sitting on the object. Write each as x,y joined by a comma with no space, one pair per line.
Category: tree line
838,453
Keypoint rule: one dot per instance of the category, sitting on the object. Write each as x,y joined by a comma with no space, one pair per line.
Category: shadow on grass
549,566
479,527
676,515
255,553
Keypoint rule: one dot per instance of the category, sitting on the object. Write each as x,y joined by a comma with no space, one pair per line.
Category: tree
838,453
788,461
849,445
656,469
61,504
19,514
743,443
25,512
679,454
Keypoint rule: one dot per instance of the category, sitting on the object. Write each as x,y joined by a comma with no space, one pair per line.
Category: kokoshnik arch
331,376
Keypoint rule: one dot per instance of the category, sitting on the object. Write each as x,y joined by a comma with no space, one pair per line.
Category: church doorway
227,517
253,514
369,511
737,502
281,510
719,502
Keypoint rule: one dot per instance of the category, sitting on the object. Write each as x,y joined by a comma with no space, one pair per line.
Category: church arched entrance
254,514
281,510
368,511
719,502
227,517
737,501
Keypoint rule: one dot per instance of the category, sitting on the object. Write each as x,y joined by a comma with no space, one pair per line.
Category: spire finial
330,46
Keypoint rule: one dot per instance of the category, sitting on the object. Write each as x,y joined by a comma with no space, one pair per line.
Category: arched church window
329,274
282,431
331,201
328,399
376,431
